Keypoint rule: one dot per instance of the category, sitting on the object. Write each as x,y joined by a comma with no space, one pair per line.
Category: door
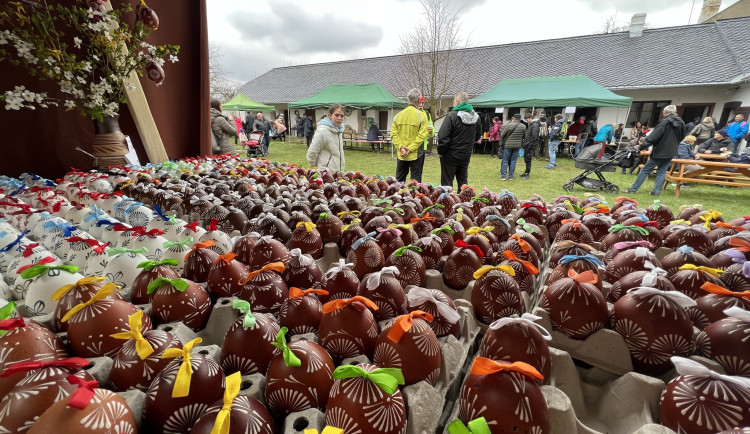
383,120
690,111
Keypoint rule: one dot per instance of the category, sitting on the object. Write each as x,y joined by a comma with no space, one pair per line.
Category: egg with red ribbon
576,307
408,343
348,328
519,339
461,264
247,345
506,395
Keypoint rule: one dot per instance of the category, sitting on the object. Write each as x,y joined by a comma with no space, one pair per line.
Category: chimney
709,9
636,25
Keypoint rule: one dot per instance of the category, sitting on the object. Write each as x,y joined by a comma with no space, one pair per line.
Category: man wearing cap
456,138
408,131
720,142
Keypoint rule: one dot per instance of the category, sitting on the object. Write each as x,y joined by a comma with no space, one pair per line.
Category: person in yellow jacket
408,133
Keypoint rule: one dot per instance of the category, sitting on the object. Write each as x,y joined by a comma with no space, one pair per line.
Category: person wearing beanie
719,143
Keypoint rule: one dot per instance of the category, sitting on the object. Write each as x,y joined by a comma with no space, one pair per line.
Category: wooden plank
144,120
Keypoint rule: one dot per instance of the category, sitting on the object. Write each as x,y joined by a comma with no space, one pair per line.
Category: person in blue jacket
605,134
737,131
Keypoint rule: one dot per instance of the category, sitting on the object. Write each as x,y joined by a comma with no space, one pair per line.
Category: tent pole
623,130
391,117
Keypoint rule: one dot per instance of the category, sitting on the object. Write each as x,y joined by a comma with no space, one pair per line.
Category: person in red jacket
238,123
497,124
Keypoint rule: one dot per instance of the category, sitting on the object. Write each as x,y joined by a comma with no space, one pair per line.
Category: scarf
463,107
328,122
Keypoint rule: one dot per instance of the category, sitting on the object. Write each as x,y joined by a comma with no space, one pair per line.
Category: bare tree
432,52
220,86
612,25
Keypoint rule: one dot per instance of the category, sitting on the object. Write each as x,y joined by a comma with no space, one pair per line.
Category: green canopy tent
563,91
360,96
243,103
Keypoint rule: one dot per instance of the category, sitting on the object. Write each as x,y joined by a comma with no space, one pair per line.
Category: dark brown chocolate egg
361,409
672,262
518,339
243,248
348,328
655,278
710,307
389,240
129,371
302,271
530,212
181,300
598,225
268,250
652,235
264,289
523,247
575,306
659,213
630,261
690,279
150,271
575,249
510,401
340,282
410,264
246,416
579,264
687,212
693,404
107,412
302,311
554,221
247,348
461,264
409,344
198,262
445,236
737,277
90,329
307,239
693,236
349,235
272,226
507,202
329,227
445,318
290,389
496,294
385,291
170,409
575,231
525,271
224,277
432,252
366,257
726,341
619,233
37,390
655,327
79,293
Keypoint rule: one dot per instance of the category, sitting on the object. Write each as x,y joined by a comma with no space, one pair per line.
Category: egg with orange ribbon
247,345
525,272
348,327
199,261
507,395
496,294
408,343
520,339
224,277
710,307
302,311
265,289
572,229
576,307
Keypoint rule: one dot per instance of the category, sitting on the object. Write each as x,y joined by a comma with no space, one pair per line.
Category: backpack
564,130
543,130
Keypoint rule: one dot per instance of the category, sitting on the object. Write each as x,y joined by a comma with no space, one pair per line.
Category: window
647,112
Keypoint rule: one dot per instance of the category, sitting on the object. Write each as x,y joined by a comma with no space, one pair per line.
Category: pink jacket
280,128
495,131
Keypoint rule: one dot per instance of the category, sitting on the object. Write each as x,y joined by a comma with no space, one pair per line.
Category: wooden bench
712,172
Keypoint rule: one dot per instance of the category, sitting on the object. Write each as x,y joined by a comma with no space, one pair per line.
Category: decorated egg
576,307
307,239
461,264
519,339
382,288
176,250
268,250
446,238
432,252
74,294
299,378
654,278
329,227
151,270
244,246
409,344
506,395
691,278
525,271
222,242
496,294
350,233
224,277
348,328
366,256
726,341
122,267
340,282
265,289
629,261
410,264
180,300
247,346
302,271
710,307
672,262
302,311
199,261
445,318
693,236
655,327
598,224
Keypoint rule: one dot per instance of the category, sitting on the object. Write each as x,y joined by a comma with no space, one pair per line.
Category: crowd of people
523,137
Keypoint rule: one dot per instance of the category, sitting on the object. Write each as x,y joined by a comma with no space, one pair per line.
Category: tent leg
623,130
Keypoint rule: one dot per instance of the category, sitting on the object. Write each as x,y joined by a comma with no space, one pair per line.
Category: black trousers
528,154
495,146
309,140
404,167
451,167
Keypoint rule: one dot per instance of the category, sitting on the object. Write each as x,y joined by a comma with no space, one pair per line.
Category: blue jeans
509,158
662,165
552,147
579,147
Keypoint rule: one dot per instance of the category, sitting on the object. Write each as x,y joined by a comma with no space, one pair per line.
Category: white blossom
173,58
77,42
70,104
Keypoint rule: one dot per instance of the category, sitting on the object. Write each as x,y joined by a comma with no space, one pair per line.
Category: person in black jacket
719,143
460,129
530,142
664,139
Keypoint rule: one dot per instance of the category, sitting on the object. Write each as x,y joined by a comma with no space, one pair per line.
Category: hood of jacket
469,118
675,121
708,124
215,113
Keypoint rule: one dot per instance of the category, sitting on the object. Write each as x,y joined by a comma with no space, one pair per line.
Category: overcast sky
257,36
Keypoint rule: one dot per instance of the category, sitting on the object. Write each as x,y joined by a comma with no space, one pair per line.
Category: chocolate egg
598,225
302,311
445,318
409,344
693,236
518,339
105,413
510,400
726,342
691,278
268,250
151,270
737,276
710,308
461,264
629,261
496,294
180,300
655,278
224,277
672,262
366,257
525,271
340,282
620,233
655,327
264,289
432,252
246,416
244,246
445,235
199,261
575,306
302,271
364,410
71,295
691,404
410,264
659,213
385,291
130,371
247,347
175,407
348,328
574,230
307,239
554,221
350,233
296,388
329,227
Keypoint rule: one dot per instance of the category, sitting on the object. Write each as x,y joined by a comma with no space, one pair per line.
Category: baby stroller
254,144
593,160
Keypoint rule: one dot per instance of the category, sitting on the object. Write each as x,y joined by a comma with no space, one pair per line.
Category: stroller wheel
568,187
612,188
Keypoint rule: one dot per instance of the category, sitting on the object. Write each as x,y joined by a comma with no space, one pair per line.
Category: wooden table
570,146
712,172
379,143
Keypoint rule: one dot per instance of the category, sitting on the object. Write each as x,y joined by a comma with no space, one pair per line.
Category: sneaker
629,190
502,179
674,184
685,186
653,193
525,176
550,166
510,179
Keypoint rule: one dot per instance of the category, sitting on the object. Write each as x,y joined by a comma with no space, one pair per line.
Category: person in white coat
327,147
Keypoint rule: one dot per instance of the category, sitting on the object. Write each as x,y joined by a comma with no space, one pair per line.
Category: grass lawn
485,172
